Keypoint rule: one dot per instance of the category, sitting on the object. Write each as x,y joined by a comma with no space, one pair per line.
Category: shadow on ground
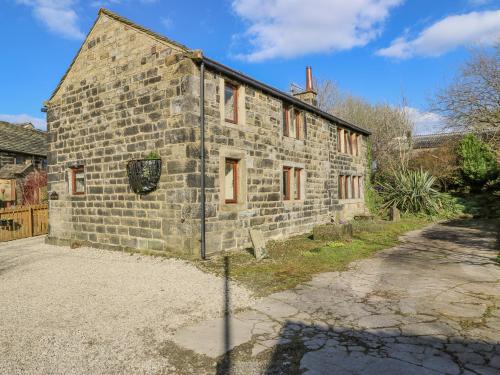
320,350
437,276
378,351
469,233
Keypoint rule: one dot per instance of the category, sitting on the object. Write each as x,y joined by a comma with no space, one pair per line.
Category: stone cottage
272,161
23,149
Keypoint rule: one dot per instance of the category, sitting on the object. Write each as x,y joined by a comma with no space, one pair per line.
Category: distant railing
23,221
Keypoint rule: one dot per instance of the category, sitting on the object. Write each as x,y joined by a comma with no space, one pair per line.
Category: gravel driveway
86,311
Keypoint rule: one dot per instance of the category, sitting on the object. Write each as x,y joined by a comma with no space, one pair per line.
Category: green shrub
373,200
477,162
411,191
153,155
450,206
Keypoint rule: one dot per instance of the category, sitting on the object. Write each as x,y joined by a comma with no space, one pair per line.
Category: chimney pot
309,95
309,86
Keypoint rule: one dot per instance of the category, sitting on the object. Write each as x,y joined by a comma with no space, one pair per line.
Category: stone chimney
309,95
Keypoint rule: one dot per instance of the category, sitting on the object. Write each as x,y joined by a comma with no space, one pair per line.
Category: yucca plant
411,191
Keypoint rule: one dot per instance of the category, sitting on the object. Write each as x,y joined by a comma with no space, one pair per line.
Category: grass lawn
297,259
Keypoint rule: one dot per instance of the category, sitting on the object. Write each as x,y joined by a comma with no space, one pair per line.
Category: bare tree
472,101
391,126
34,188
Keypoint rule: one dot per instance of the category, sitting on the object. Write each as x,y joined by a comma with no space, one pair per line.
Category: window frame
297,114
297,174
286,194
339,140
350,187
74,171
355,190
360,185
234,87
340,192
348,142
286,120
354,142
234,163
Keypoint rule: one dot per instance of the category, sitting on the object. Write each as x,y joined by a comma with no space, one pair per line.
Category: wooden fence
23,221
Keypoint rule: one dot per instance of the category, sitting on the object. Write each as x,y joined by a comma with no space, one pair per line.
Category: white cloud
289,28
448,34
167,22
39,123
59,16
426,122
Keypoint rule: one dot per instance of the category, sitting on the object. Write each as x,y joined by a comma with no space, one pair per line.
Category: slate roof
436,140
213,63
12,171
22,139
441,139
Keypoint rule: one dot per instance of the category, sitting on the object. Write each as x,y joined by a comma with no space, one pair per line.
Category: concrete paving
428,306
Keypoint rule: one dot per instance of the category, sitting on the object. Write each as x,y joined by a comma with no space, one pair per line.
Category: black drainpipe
202,155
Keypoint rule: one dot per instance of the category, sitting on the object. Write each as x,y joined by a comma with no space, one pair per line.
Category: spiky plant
411,191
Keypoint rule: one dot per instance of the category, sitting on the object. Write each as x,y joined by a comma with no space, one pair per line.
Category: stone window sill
238,126
356,200
293,140
291,202
232,207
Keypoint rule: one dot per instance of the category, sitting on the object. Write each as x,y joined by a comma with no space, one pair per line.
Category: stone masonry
129,92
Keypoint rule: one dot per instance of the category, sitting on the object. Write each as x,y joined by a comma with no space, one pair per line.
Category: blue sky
377,49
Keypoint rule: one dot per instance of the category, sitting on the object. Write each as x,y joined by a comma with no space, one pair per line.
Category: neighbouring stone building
272,162
23,149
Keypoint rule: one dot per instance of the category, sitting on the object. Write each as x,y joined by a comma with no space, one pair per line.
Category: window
286,120
78,180
347,142
354,142
296,182
341,187
339,140
360,186
350,187
292,122
292,183
231,102
347,187
231,181
298,123
286,183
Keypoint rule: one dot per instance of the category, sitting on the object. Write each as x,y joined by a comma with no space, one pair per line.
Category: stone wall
124,96
257,140
127,94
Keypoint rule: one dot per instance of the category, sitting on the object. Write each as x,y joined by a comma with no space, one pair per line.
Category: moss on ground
297,259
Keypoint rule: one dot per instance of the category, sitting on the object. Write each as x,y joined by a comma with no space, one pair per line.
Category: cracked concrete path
428,306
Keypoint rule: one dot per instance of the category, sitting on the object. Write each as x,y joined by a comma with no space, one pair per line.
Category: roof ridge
117,17
19,125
